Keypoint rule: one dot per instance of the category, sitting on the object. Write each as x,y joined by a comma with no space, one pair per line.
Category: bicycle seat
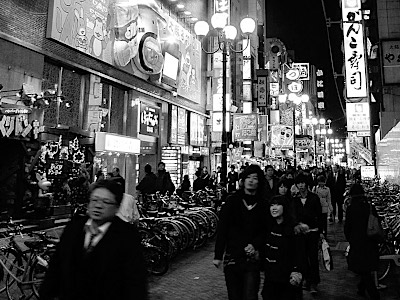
34,244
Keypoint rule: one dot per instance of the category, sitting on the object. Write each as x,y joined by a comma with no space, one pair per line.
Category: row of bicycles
24,259
386,199
170,225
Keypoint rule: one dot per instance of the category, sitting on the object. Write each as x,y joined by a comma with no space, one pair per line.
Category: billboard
245,127
391,61
281,136
136,36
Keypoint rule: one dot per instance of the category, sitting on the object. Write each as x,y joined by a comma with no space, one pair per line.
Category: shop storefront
113,150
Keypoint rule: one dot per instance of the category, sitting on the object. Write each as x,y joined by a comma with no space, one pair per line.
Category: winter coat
363,254
148,184
324,195
310,213
239,226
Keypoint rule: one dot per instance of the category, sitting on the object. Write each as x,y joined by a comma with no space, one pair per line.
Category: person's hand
217,263
250,250
301,228
295,278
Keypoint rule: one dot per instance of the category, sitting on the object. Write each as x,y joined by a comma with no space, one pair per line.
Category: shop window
70,90
113,102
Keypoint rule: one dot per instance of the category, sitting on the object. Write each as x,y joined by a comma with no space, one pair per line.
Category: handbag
326,257
374,228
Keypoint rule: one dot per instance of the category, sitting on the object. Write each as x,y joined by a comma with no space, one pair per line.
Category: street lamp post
226,35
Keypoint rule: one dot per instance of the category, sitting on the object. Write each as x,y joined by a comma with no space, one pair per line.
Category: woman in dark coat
363,256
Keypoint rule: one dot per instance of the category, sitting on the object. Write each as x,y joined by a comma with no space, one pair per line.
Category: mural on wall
133,35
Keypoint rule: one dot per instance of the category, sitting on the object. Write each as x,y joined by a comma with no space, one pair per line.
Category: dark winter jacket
164,183
310,213
148,184
239,226
363,255
284,252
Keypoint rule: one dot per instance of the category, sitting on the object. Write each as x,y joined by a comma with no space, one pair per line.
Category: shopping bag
326,257
374,228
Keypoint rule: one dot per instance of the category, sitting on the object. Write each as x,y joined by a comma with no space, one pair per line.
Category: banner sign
245,127
358,118
354,49
149,119
173,133
262,91
391,61
281,136
320,89
136,36
197,125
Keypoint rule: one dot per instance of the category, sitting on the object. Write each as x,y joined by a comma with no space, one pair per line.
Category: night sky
301,26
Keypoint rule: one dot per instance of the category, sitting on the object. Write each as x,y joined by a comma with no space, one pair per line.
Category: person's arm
348,223
223,228
329,200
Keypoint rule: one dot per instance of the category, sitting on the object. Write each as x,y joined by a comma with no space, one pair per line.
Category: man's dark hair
147,168
301,178
255,169
268,167
161,163
114,187
116,169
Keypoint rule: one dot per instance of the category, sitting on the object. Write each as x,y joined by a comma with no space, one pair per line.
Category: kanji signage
262,91
149,119
245,127
354,50
391,61
304,70
358,118
320,89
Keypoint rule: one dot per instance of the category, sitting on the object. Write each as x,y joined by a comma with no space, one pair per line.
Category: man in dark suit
337,184
271,180
99,257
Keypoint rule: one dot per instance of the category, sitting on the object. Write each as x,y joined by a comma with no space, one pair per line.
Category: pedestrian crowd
275,224
271,222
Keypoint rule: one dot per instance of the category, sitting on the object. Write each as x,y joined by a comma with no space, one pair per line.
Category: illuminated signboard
358,118
245,127
149,119
116,143
354,49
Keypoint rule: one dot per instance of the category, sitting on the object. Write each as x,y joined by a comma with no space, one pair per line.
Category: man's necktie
93,233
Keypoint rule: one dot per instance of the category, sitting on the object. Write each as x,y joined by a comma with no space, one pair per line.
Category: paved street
192,276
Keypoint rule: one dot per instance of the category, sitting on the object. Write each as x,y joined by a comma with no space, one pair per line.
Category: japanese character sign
391,61
149,119
354,50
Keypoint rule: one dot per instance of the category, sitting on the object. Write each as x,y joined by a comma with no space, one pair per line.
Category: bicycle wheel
16,290
384,264
157,262
38,269
8,255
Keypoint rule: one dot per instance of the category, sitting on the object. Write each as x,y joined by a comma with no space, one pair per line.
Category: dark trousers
367,283
324,223
312,265
242,281
337,200
281,291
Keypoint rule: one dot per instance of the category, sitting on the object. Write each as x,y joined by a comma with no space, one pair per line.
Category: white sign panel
367,172
116,143
217,122
354,50
358,118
